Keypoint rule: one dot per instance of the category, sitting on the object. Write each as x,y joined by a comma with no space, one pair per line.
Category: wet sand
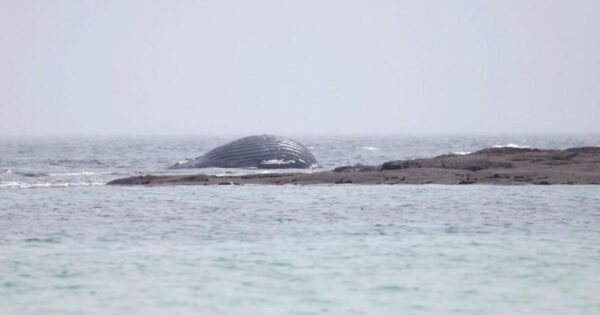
494,166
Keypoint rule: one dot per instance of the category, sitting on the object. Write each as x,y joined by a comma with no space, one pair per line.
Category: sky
299,67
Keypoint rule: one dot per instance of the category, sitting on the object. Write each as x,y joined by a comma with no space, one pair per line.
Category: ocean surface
70,245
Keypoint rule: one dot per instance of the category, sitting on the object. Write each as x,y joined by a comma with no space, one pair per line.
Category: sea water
70,245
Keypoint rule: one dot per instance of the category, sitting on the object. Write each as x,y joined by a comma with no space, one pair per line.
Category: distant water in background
71,161
70,245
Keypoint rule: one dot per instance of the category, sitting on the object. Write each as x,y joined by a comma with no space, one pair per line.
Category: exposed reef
495,166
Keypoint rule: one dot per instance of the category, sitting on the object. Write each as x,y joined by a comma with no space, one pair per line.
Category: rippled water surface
73,246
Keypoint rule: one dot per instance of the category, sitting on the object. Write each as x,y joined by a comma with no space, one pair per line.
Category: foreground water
73,246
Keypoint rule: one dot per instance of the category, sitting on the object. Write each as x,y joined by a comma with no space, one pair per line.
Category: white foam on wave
461,153
370,148
511,145
183,161
47,185
78,174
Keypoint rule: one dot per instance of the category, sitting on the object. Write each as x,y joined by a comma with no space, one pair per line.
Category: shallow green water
300,250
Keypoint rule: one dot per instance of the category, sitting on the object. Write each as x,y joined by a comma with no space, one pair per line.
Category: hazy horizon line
303,134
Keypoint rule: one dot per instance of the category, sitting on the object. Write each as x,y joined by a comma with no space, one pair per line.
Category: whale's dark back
264,151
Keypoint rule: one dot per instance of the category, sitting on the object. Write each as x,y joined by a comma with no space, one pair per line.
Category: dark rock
355,168
499,166
460,162
135,180
504,150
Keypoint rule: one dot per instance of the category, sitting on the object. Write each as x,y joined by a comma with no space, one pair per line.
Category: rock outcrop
499,166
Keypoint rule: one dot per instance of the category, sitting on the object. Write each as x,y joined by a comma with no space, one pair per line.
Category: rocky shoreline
494,166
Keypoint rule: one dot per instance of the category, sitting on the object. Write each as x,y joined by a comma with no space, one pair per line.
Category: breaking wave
461,152
370,148
511,145
48,185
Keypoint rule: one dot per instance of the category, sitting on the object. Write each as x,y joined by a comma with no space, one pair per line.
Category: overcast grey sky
299,67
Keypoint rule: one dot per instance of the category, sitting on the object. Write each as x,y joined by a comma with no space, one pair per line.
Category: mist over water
310,67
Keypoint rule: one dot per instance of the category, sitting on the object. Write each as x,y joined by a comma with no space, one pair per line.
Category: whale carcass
262,151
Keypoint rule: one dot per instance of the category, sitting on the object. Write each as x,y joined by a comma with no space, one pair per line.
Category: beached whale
263,151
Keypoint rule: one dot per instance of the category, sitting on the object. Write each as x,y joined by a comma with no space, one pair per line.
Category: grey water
71,245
